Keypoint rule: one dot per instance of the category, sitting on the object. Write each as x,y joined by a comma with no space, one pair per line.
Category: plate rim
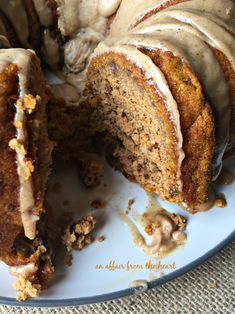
121,293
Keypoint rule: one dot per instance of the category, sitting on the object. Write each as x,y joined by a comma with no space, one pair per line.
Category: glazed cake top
190,30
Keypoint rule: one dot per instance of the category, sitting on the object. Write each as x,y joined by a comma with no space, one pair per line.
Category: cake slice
162,90
140,125
24,169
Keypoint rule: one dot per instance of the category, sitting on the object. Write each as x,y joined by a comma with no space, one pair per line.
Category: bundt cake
162,90
50,28
24,166
157,94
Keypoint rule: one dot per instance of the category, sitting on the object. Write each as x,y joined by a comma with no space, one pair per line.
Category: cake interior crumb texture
150,85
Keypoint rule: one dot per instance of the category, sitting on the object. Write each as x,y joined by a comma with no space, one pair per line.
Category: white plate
82,283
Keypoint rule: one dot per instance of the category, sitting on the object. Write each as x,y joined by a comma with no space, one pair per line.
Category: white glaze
78,50
25,271
16,13
108,7
68,12
186,29
165,237
44,12
85,27
51,50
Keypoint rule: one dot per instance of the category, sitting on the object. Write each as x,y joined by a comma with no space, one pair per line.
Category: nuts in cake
28,103
78,235
15,145
179,220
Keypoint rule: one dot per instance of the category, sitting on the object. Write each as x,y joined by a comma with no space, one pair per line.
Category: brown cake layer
141,135
10,224
16,249
69,127
224,63
38,149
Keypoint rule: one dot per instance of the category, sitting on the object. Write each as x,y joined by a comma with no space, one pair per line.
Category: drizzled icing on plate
166,235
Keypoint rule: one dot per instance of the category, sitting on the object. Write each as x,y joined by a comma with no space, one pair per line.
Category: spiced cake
26,245
162,89
24,166
151,83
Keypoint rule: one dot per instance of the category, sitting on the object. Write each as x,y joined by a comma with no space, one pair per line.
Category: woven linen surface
208,289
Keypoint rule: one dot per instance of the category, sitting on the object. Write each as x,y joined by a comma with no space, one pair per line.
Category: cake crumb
98,204
69,260
100,239
149,229
130,203
179,220
220,201
78,235
26,289
28,103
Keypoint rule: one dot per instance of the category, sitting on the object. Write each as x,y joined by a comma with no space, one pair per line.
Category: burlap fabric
208,289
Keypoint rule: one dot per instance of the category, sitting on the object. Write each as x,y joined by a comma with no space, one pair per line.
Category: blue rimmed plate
104,270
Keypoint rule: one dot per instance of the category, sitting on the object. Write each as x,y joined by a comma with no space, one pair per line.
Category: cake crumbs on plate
26,288
220,201
98,204
130,203
100,239
78,234
69,260
179,220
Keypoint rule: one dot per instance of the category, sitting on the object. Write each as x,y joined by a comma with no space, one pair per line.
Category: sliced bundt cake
159,98
60,32
162,90
24,166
